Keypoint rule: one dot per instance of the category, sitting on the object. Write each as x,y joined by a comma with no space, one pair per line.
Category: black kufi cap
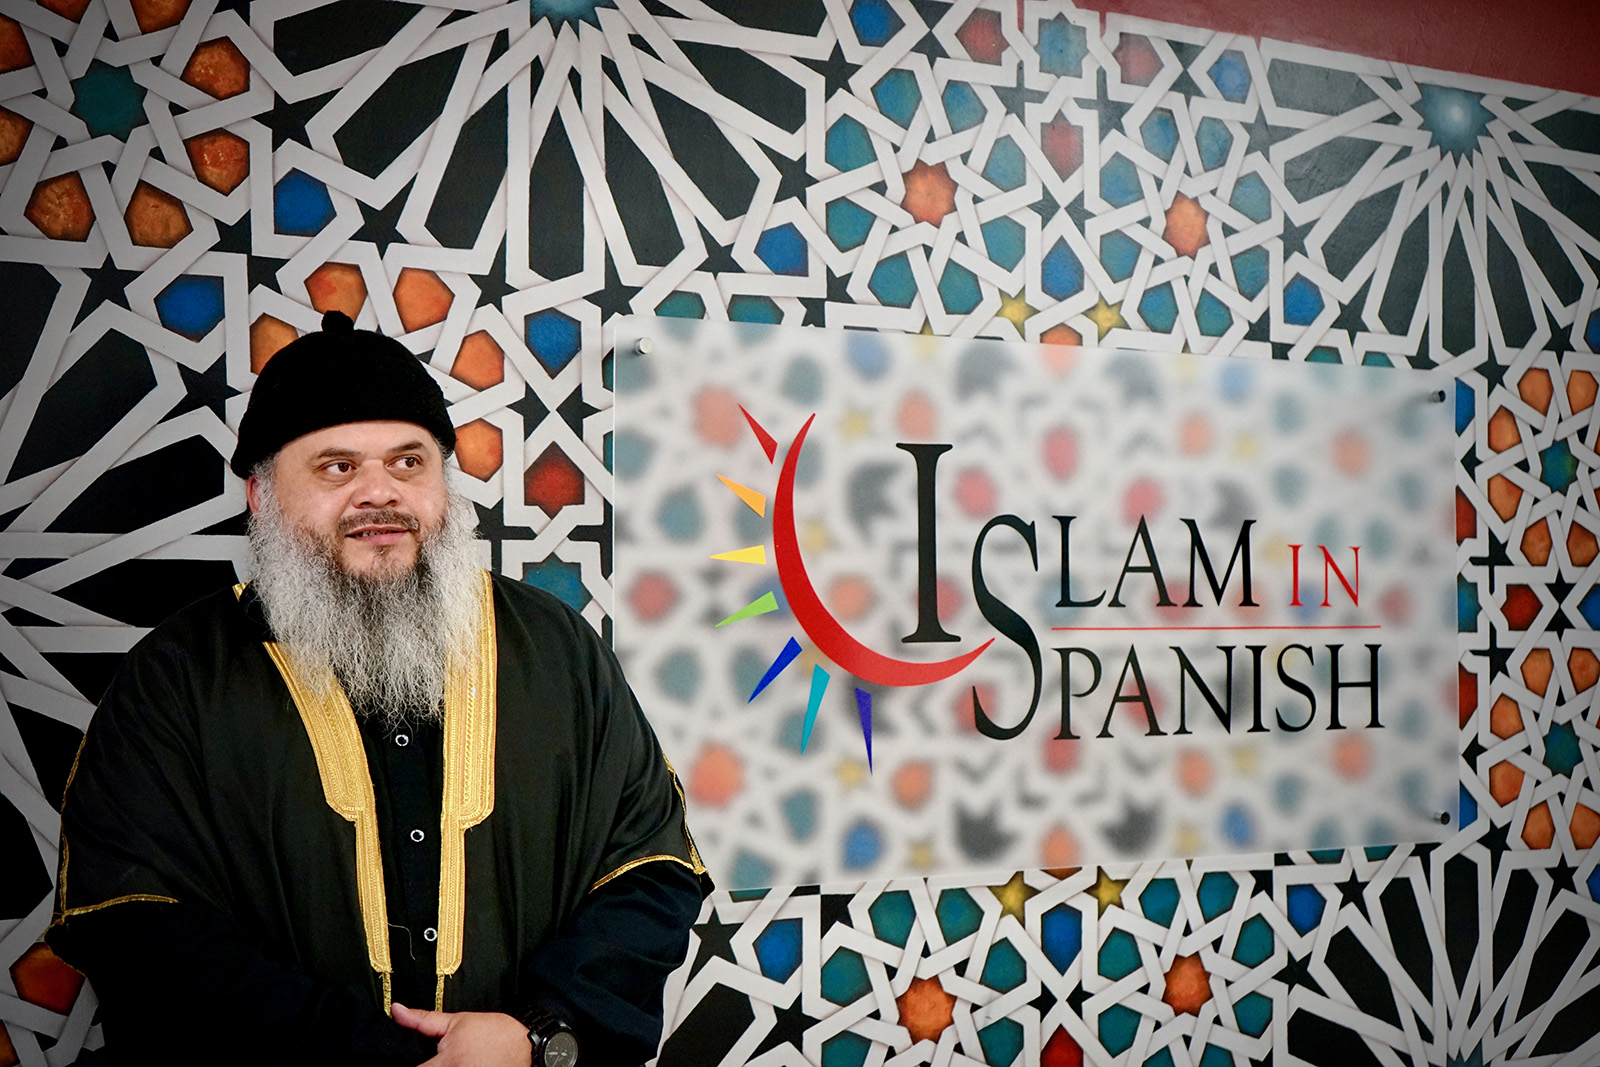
338,375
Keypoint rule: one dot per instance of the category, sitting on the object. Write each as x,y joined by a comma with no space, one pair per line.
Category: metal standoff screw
1443,818
643,346
1436,397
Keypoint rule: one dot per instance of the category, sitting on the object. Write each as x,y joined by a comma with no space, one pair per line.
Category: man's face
370,491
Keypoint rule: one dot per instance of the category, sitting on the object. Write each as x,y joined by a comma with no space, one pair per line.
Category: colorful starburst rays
768,602
815,621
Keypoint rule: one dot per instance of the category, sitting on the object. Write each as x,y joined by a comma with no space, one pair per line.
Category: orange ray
755,500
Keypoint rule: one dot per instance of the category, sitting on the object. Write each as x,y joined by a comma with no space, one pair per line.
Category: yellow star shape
922,855
1106,317
851,773
1246,760
814,536
1013,896
1107,890
1186,839
1015,310
855,424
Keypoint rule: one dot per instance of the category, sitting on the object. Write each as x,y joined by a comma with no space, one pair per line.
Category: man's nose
375,487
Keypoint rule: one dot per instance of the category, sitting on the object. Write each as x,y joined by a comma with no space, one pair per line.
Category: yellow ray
757,502
753,554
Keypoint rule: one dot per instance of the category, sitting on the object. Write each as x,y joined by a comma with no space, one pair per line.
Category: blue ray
819,685
786,657
864,706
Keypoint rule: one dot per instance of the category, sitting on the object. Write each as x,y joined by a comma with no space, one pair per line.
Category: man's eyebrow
334,452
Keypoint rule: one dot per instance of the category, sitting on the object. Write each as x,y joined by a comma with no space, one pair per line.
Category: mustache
382,517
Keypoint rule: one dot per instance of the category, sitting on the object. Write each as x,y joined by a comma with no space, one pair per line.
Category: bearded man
377,806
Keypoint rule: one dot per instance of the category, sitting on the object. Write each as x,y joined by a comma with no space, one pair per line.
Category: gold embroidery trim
693,863
696,865
469,735
347,787
87,908
631,864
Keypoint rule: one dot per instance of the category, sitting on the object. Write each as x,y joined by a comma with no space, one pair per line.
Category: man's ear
252,494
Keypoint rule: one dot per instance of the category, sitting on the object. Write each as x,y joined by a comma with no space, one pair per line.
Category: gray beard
388,639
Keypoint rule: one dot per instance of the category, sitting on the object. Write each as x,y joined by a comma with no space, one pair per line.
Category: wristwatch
554,1043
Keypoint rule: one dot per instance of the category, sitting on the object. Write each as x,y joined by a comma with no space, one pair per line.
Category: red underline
1147,629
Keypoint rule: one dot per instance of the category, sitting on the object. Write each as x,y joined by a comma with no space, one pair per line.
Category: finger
426,1023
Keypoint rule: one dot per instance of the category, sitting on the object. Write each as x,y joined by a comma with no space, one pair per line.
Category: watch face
560,1051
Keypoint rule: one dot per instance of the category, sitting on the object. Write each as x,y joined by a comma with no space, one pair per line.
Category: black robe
195,828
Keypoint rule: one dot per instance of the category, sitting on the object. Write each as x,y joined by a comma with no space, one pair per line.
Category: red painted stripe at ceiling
1553,43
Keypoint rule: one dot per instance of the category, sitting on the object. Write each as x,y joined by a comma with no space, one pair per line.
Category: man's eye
340,467
408,462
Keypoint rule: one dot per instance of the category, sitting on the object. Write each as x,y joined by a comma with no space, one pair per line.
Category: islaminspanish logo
832,640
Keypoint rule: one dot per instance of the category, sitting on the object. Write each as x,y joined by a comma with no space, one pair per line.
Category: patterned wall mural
186,184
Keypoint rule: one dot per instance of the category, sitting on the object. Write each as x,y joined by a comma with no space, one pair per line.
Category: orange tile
1503,432
913,784
926,1010
717,420
220,159
479,448
1536,670
60,208
267,335
1466,694
1536,543
1186,226
8,1051
1188,985
1540,828
1585,826
71,10
14,130
218,68
154,15
1581,389
930,192
1466,517
850,596
982,36
916,416
1582,546
553,481
480,363
1195,772
337,287
14,51
1535,389
1059,850
1504,718
421,298
156,219
1061,334
1584,666
1504,496
1505,782
43,979
716,776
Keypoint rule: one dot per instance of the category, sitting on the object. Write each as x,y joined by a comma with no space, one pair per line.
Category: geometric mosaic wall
185,184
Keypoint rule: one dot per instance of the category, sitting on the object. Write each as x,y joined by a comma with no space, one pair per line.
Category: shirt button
402,740
417,835
430,934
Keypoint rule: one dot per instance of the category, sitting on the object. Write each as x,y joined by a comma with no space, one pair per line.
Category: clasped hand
470,1038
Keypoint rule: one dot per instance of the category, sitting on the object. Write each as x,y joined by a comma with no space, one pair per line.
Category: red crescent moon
819,624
